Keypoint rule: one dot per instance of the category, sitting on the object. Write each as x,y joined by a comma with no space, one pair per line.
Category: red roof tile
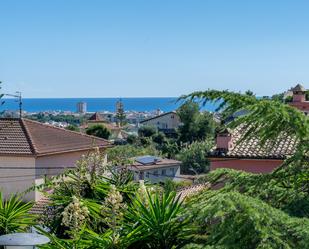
282,147
27,137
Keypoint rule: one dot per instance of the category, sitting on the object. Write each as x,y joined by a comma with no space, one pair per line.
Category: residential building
81,107
155,169
232,151
167,122
98,119
30,150
299,99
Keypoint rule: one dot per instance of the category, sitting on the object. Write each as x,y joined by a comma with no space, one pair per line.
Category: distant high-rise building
82,107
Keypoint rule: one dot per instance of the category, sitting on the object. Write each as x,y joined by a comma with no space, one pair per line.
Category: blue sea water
95,104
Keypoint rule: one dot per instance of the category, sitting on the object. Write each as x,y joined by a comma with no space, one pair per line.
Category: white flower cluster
75,214
113,207
93,164
142,192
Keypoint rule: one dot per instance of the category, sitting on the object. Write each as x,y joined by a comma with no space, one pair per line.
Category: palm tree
14,215
159,220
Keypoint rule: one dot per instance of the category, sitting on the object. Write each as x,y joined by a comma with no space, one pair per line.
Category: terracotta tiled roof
192,190
251,148
298,88
27,137
96,117
40,206
13,138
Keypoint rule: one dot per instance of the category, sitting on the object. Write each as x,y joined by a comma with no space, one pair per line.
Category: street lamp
22,240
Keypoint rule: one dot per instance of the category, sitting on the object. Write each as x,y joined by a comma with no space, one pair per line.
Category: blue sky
149,48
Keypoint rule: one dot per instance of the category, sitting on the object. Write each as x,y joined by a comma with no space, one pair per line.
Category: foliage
14,215
98,131
72,128
172,186
271,188
159,138
194,157
195,126
254,223
120,114
132,139
146,131
159,220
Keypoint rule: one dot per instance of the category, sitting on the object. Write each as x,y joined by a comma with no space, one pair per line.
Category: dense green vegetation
98,131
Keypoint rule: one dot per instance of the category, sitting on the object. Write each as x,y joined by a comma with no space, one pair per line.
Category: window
141,175
164,172
147,174
156,173
172,171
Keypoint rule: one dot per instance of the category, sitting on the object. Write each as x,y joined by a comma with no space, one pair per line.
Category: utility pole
19,99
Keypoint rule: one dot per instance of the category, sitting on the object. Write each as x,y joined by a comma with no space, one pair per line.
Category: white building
155,169
30,150
81,107
167,122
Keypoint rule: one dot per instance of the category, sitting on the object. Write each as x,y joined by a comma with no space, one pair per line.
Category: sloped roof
282,147
159,116
298,88
27,137
96,117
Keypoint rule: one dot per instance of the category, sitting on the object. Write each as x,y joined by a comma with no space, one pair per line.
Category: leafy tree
254,223
120,114
194,157
132,139
146,131
159,138
195,125
73,128
98,131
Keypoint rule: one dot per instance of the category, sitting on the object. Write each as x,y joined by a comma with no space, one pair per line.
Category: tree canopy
98,131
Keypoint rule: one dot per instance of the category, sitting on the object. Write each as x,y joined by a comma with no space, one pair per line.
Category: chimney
224,140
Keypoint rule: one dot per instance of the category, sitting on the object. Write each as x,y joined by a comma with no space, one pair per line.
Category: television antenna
19,100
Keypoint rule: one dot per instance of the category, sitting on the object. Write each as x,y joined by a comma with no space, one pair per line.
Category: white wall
171,173
17,180
53,161
169,121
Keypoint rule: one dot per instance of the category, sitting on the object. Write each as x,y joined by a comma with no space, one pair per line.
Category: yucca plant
160,220
14,214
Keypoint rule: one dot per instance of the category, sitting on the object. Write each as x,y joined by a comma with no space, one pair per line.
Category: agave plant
14,215
159,220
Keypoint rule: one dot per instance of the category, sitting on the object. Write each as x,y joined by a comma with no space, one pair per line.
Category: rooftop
298,88
159,116
155,164
28,137
251,148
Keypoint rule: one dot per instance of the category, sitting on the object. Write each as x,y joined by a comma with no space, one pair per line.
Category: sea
95,104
